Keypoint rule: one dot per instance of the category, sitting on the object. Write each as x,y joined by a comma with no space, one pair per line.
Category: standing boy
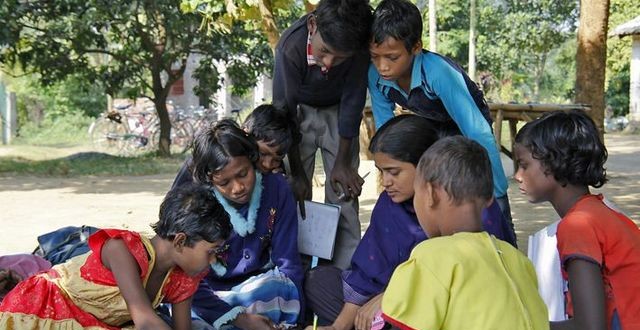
320,80
428,84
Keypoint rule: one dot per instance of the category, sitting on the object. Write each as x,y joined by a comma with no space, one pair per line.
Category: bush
617,95
64,130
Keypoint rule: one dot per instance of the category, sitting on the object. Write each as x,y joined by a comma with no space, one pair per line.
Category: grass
60,147
90,163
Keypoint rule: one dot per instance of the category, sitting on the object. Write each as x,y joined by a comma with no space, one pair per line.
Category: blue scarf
241,225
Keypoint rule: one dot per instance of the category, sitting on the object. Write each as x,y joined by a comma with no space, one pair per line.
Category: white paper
543,252
317,232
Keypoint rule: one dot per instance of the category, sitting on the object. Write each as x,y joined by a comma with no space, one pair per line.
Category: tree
591,57
138,45
270,16
517,37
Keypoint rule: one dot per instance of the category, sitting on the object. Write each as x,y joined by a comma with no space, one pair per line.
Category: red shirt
594,232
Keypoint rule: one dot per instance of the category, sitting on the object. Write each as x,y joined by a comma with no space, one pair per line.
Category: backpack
62,244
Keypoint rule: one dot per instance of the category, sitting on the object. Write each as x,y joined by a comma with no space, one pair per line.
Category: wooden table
514,113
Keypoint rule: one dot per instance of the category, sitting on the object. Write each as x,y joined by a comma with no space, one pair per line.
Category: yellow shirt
465,281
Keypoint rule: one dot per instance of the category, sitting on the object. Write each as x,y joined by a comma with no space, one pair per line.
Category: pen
315,321
343,194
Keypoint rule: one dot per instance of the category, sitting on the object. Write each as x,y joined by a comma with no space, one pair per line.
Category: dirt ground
31,206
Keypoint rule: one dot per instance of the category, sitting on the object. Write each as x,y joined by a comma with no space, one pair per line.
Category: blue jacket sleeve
381,106
284,246
392,234
448,84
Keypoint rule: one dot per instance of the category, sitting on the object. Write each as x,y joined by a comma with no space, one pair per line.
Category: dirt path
31,206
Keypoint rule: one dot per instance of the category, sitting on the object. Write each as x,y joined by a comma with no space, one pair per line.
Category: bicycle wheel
107,136
181,138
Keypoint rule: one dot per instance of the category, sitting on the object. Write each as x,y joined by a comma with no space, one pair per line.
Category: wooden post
498,128
513,130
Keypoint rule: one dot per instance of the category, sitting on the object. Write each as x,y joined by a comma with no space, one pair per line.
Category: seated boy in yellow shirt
461,277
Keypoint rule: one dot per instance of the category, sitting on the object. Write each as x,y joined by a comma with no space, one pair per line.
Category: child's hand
345,179
254,322
301,188
8,280
367,313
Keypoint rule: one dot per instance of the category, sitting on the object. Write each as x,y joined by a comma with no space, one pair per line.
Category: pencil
315,322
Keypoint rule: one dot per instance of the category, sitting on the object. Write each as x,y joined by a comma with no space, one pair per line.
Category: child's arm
287,78
284,242
247,321
353,316
116,257
367,312
587,293
449,85
381,106
344,321
181,314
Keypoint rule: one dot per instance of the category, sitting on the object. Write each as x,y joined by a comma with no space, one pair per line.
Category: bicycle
123,132
181,131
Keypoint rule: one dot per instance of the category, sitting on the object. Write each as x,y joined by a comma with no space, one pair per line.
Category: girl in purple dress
351,298
256,281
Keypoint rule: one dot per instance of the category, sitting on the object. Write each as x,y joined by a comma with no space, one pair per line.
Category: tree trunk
433,27
269,26
164,149
472,40
160,101
540,65
591,57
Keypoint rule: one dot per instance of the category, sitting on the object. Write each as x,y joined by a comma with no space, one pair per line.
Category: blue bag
62,244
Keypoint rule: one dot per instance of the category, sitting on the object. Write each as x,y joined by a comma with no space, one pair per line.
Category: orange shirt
594,232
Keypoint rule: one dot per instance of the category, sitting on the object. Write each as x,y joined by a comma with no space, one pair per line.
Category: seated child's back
462,277
465,281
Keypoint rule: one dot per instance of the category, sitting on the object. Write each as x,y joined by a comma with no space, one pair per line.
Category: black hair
460,166
193,210
273,126
399,19
406,137
568,146
214,146
345,25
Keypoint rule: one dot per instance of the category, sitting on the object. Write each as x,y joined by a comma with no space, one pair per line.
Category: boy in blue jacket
428,84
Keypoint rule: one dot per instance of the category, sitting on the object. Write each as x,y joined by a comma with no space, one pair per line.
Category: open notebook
317,232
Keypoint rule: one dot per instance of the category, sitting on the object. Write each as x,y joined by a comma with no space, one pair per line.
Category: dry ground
30,206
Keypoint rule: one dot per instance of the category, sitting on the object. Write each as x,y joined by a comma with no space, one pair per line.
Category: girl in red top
559,156
125,275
